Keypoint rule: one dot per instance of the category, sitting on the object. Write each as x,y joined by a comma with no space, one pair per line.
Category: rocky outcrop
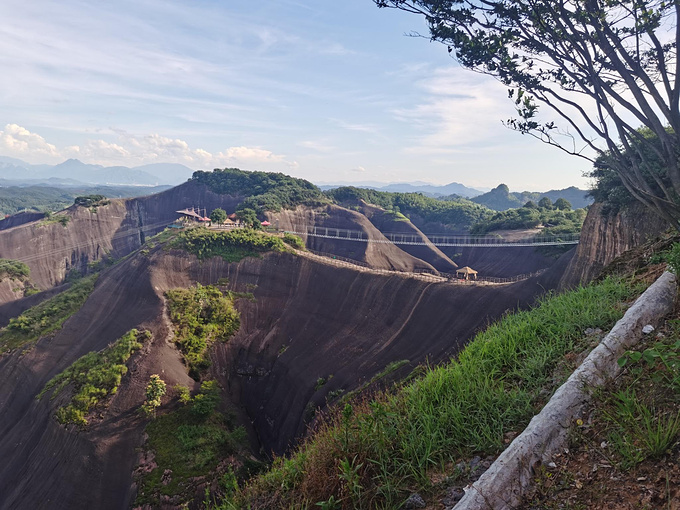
387,222
308,320
380,255
51,248
605,236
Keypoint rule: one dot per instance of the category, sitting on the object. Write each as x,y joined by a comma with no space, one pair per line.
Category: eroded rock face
605,236
52,249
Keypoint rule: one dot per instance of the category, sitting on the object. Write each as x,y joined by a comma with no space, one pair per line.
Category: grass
47,317
642,416
201,315
189,442
93,378
232,246
630,432
383,449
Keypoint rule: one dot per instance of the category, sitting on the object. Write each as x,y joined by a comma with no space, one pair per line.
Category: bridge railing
428,272
434,239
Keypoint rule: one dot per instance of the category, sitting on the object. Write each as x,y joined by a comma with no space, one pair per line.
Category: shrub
294,241
200,316
93,377
232,245
14,269
46,317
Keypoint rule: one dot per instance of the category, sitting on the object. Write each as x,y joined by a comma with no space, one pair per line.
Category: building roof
466,270
193,214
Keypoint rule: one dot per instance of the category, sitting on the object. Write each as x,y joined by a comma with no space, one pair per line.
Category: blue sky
331,91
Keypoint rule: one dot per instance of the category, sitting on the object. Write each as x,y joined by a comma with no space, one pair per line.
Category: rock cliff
606,235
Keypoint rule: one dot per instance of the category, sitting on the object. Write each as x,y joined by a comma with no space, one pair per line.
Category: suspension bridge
439,240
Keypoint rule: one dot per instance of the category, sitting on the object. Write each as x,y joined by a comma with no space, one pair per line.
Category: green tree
218,216
530,205
154,391
545,203
562,204
249,218
601,68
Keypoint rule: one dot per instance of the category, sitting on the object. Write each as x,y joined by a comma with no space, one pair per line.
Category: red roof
265,223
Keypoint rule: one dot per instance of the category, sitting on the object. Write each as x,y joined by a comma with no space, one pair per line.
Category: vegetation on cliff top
93,377
464,215
200,316
231,245
459,214
554,220
14,269
373,454
264,191
47,316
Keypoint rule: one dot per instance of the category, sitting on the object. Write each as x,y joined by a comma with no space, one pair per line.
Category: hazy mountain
425,188
502,199
75,172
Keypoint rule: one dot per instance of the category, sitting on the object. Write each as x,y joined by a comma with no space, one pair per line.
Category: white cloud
359,169
461,108
132,150
316,145
19,142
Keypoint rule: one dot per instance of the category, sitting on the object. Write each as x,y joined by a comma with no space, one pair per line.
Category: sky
330,91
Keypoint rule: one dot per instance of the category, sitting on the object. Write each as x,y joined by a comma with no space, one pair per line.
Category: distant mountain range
502,199
430,190
75,173
498,199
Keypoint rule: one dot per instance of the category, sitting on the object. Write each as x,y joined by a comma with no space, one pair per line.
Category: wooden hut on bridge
466,273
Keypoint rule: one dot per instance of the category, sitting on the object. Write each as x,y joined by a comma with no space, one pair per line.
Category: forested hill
14,199
501,199
459,214
263,191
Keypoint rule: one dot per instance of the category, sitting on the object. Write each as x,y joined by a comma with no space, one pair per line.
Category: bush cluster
191,442
232,245
200,315
47,316
14,269
94,377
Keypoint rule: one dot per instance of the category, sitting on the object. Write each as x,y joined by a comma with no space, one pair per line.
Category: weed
319,383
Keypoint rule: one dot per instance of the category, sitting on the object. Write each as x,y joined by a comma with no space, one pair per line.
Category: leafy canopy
601,67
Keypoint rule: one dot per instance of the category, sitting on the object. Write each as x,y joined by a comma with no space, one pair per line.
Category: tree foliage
602,67
154,392
218,216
